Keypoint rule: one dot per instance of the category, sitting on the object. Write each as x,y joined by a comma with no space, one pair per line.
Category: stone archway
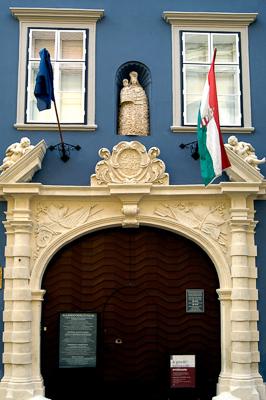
220,218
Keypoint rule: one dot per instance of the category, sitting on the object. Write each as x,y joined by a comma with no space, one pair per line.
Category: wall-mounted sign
182,371
195,300
77,340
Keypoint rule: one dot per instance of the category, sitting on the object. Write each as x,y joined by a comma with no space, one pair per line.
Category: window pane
194,78
33,114
228,91
226,48
41,39
194,81
71,107
227,80
192,103
71,45
71,93
196,47
71,76
229,110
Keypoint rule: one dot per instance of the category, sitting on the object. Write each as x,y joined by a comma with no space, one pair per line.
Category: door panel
136,280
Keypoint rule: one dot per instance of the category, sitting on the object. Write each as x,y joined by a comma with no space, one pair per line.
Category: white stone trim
217,19
54,127
56,18
193,129
240,170
206,21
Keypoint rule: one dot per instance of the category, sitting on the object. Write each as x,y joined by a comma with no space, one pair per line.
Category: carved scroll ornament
130,163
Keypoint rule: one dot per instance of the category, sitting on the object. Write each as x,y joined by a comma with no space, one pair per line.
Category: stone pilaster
225,302
17,357
37,299
245,380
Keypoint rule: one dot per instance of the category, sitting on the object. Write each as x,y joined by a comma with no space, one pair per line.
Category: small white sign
182,361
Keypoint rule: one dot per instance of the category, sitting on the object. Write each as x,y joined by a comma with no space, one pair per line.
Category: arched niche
144,77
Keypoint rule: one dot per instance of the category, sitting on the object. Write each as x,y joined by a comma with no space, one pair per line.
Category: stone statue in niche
244,150
133,108
15,151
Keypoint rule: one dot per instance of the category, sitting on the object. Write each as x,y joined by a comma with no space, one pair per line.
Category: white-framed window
194,37
69,36
68,51
197,52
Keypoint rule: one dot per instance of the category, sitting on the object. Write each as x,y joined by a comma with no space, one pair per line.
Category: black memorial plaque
77,340
195,300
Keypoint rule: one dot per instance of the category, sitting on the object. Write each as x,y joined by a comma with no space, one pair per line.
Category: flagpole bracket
64,150
194,148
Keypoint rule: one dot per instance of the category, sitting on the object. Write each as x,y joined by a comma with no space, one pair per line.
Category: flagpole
64,157
44,93
58,123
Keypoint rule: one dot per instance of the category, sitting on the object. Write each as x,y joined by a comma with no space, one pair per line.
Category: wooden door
136,280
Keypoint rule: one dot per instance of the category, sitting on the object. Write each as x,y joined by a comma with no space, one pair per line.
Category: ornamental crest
130,162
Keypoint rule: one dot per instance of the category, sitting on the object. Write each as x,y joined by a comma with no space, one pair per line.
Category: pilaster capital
37,295
224,294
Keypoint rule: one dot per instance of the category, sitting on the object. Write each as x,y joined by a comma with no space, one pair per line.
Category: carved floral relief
211,220
52,220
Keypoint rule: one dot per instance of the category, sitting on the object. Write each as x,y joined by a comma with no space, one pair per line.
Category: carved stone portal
130,163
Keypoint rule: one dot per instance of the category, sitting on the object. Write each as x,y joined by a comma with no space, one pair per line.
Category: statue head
134,78
125,82
232,140
25,142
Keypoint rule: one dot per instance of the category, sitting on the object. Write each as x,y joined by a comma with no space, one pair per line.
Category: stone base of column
20,390
244,389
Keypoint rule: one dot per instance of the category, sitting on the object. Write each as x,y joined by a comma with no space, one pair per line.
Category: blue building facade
140,36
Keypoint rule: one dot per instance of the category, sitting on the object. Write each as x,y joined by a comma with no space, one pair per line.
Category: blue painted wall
130,31
135,30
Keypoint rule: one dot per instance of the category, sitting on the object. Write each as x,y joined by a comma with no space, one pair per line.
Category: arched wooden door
136,281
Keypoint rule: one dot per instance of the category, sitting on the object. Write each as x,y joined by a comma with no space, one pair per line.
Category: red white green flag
213,157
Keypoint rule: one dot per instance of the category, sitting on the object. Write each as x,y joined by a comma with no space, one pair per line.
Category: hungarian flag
213,157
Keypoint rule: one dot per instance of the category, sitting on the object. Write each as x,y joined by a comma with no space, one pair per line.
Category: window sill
54,127
230,130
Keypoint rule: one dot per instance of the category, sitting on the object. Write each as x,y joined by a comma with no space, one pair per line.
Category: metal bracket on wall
194,148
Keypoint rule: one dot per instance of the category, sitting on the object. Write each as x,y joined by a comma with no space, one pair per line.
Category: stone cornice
209,18
66,15
240,170
228,188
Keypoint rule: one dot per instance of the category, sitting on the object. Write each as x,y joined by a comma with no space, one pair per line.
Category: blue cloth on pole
44,86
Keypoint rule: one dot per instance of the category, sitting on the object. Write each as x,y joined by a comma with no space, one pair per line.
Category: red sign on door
182,371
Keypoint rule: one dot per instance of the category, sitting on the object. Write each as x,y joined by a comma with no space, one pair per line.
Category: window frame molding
204,22
57,18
